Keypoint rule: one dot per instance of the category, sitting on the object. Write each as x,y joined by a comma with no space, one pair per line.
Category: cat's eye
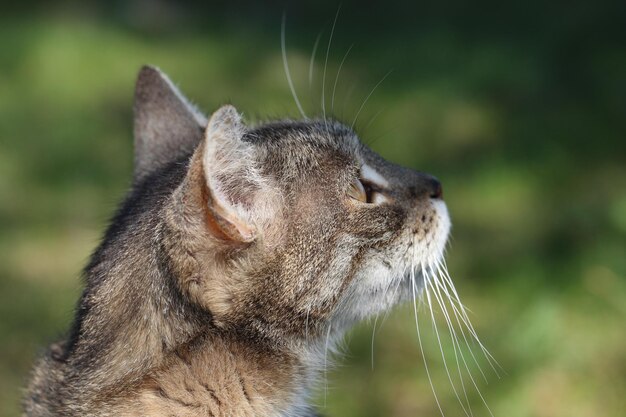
357,191
369,187
361,191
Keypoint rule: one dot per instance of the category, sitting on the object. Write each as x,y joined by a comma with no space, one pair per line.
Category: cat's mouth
424,256
429,240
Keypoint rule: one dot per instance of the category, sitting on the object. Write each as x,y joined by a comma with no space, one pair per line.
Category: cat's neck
221,375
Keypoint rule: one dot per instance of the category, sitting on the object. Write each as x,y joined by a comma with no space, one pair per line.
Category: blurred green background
520,110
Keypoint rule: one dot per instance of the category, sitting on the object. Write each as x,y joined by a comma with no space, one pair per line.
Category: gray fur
167,126
235,258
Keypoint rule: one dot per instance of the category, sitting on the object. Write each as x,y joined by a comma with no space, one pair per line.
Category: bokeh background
518,107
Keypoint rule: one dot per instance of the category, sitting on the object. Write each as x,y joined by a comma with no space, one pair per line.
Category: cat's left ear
167,126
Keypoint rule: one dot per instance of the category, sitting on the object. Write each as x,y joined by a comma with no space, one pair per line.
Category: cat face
290,227
353,227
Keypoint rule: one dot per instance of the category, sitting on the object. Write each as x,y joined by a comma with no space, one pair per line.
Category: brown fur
236,260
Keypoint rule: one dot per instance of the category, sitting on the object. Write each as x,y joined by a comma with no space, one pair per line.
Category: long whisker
476,386
312,60
332,101
286,65
490,359
373,335
463,312
446,277
419,338
443,356
330,39
370,142
367,98
456,316
371,120
455,341
347,97
326,363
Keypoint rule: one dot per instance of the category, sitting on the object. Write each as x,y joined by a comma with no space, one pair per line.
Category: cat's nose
436,191
425,186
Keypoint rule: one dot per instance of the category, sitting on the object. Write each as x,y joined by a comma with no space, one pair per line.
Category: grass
525,134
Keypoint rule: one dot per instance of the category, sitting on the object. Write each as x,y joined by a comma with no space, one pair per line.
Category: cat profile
240,255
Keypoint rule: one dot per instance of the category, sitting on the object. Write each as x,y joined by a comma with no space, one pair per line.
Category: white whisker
461,308
456,316
330,39
372,344
475,385
455,341
286,65
367,98
312,60
419,338
443,356
490,359
326,363
446,277
347,98
371,120
332,100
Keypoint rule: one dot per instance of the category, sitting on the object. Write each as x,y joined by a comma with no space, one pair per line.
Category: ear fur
166,125
231,177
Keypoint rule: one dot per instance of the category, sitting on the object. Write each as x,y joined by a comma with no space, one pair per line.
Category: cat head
288,227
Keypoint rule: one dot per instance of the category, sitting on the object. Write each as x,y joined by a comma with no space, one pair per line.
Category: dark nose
436,191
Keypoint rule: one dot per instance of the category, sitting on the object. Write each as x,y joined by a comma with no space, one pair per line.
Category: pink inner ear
246,231
223,224
227,163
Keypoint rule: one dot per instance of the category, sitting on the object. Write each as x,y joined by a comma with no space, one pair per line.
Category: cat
239,257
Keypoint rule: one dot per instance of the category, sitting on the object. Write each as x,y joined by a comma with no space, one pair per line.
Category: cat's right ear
237,195
166,127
